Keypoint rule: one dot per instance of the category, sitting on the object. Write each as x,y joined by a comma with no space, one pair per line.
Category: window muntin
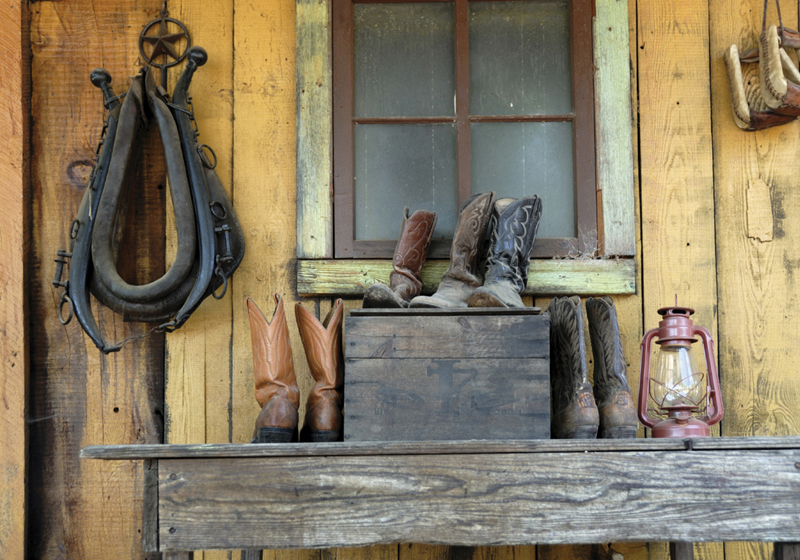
516,131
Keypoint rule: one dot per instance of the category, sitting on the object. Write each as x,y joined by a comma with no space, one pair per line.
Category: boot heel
618,432
275,435
582,432
320,436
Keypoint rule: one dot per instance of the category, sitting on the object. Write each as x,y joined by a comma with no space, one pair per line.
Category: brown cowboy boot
411,251
514,225
461,279
617,411
273,369
323,345
574,411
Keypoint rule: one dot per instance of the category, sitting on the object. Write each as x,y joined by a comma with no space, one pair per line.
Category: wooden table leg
681,551
179,555
251,555
787,551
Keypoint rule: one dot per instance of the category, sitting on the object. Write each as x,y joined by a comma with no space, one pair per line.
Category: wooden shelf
223,496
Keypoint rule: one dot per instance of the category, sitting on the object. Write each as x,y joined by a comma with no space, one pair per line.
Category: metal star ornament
164,43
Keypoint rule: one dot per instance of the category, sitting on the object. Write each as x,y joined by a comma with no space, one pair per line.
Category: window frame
612,272
581,117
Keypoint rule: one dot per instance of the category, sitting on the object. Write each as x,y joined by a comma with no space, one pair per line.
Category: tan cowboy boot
273,369
750,111
323,345
514,225
462,278
780,80
411,252
575,413
611,392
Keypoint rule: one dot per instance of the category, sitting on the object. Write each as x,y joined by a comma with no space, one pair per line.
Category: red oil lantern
686,400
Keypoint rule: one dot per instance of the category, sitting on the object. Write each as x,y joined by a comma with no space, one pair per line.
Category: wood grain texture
464,500
211,450
78,397
613,127
446,399
314,131
14,214
350,277
150,506
198,356
787,551
676,175
460,336
756,259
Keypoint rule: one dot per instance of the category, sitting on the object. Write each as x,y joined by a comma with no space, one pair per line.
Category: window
320,273
440,99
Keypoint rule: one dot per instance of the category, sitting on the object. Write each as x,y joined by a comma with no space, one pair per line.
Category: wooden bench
467,493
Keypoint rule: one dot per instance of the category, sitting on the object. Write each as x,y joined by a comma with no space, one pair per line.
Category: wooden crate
430,374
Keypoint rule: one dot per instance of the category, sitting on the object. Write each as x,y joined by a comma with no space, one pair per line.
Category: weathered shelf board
466,500
474,447
350,277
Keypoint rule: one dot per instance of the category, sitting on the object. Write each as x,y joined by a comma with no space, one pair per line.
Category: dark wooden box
430,374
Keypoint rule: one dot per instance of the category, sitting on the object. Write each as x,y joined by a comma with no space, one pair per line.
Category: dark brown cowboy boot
461,279
574,411
411,252
323,345
273,369
514,225
617,411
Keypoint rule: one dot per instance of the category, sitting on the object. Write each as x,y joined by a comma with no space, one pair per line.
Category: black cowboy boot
617,411
409,255
462,278
574,411
514,225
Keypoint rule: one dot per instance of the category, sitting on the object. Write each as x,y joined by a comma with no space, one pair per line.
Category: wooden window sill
350,277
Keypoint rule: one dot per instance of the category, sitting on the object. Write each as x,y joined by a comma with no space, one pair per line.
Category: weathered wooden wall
704,190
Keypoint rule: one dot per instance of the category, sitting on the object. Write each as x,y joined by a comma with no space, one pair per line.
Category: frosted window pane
404,60
522,159
519,58
410,165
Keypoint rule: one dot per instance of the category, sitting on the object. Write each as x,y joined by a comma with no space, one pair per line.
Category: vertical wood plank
676,175
613,118
314,131
78,397
264,172
755,189
14,205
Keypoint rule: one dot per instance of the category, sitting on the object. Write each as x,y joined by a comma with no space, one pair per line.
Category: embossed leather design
273,367
323,346
411,252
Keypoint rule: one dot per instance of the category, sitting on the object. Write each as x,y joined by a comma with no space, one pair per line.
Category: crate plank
312,502
484,336
444,399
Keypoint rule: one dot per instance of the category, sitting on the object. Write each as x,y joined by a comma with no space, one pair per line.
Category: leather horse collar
210,239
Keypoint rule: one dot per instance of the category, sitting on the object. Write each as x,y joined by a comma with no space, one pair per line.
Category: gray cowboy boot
461,279
575,414
411,252
514,226
617,411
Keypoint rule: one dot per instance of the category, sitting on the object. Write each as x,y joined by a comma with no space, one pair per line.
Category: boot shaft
610,369
273,365
568,365
513,229
468,239
411,252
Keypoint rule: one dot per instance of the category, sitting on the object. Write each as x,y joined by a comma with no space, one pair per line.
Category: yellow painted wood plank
677,186
613,118
198,356
14,201
314,131
755,189
264,175
553,277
